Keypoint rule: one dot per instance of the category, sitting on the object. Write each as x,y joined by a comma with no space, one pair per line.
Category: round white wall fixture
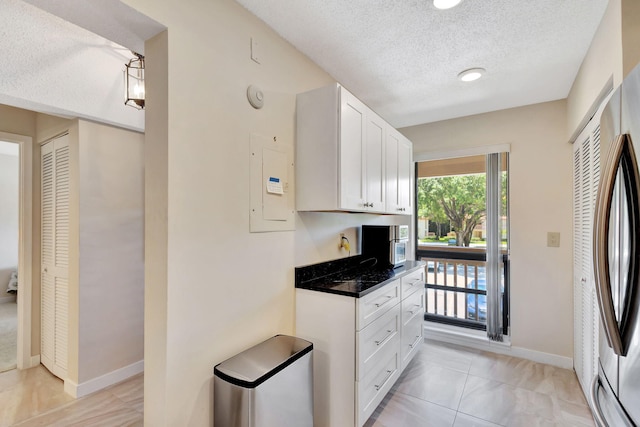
255,96
471,74
445,4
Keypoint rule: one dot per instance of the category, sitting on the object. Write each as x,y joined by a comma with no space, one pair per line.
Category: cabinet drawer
412,306
412,282
372,306
412,337
372,389
378,339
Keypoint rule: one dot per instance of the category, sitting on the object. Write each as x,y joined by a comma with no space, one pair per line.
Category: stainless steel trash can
268,385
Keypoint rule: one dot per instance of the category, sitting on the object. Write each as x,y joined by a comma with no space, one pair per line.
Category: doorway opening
462,235
16,263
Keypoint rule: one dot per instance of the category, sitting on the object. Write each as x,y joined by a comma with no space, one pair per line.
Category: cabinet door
398,173
391,168
352,153
405,150
374,165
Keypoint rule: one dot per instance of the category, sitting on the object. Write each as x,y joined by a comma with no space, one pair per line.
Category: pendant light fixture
134,82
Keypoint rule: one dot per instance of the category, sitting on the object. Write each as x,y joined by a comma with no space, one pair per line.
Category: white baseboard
35,361
103,381
9,298
478,340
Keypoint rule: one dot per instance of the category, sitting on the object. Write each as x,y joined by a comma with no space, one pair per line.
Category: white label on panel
274,205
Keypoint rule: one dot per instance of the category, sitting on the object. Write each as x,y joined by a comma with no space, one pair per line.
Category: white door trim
25,247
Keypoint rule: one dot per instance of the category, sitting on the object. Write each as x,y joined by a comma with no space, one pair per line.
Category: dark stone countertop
352,277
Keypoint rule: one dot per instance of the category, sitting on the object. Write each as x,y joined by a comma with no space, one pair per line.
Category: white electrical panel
272,188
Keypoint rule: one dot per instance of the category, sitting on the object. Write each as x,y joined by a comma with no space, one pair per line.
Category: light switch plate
553,239
254,50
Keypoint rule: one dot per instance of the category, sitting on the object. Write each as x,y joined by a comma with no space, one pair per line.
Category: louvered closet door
586,169
55,255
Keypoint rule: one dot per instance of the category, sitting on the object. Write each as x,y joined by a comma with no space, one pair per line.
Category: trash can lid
257,364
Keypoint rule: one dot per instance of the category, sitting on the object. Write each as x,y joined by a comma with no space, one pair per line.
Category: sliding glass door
462,234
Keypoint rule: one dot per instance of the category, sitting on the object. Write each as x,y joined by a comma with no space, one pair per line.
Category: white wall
9,191
540,201
212,288
318,234
111,249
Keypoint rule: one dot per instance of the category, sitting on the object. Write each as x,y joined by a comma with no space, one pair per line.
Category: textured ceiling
110,19
54,66
402,57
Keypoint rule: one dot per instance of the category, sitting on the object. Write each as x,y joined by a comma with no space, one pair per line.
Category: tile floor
447,385
444,385
34,397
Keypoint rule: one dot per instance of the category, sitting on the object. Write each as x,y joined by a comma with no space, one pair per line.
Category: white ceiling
402,57
110,19
51,65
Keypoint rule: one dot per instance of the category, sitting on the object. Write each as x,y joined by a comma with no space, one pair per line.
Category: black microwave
388,244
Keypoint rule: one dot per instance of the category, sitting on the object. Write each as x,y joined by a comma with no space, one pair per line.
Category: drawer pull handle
415,342
387,338
390,373
411,312
380,304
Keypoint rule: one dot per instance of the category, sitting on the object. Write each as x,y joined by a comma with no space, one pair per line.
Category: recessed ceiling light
445,4
471,74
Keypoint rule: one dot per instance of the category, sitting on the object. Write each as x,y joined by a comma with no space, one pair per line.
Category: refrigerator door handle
601,243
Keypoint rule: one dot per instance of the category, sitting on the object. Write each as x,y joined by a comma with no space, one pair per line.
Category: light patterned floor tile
400,410
433,383
488,390
27,393
502,403
98,409
449,355
464,420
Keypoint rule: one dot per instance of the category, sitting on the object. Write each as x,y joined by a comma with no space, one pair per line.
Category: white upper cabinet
341,155
374,162
352,158
398,173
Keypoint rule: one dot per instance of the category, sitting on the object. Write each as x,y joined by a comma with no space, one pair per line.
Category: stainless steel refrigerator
615,392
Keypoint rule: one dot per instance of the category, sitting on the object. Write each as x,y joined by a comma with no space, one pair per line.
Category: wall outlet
553,239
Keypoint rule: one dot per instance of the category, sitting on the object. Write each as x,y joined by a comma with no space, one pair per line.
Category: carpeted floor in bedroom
8,335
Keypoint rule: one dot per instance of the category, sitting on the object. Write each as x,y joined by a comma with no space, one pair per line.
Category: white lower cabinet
361,345
372,389
412,319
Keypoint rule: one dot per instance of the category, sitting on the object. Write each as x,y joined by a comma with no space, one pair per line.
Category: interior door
55,255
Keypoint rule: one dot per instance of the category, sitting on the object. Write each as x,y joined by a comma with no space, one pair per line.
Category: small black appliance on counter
386,243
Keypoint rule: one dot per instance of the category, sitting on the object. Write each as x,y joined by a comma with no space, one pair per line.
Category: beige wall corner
630,35
111,249
540,200
156,231
602,63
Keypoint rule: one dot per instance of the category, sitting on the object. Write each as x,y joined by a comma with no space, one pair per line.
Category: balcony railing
456,290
